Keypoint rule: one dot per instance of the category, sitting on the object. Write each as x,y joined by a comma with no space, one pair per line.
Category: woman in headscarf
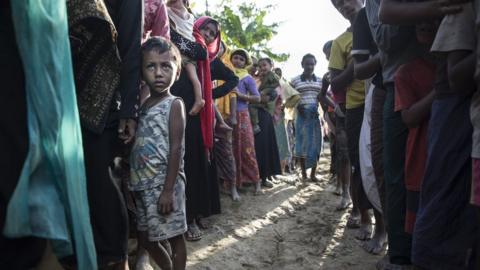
265,141
202,186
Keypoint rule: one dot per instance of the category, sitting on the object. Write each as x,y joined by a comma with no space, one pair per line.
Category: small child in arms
157,177
182,21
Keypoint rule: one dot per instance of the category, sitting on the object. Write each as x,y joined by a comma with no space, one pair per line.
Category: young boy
413,98
341,70
157,176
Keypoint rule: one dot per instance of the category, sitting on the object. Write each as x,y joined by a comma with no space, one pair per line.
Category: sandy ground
290,226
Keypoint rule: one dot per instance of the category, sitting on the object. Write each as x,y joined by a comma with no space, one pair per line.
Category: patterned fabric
224,155
291,142
308,135
156,20
244,150
149,157
160,227
308,89
95,60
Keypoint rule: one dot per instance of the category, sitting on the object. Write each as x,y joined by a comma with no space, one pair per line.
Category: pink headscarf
203,69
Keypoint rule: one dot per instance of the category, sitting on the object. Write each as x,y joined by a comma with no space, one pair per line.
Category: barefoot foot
344,203
377,244
197,106
364,232
235,195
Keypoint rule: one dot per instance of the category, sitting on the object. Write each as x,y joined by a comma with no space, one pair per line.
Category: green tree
245,27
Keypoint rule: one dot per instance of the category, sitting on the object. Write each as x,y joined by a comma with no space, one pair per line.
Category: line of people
163,119
403,102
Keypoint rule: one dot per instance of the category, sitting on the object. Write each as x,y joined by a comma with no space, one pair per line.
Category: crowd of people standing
157,115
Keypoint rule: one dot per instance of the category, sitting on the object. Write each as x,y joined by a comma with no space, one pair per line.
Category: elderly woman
202,190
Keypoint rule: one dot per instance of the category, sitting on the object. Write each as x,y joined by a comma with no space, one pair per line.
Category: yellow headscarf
223,103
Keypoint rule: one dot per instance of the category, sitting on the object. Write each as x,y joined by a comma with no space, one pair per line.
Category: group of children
403,100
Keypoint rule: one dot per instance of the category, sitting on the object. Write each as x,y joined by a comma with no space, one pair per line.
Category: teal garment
282,139
50,200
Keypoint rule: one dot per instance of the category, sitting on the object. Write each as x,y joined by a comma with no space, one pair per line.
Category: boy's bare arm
410,13
365,67
341,79
176,127
418,112
233,110
461,69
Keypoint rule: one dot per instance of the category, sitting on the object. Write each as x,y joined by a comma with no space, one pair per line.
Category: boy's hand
126,130
165,202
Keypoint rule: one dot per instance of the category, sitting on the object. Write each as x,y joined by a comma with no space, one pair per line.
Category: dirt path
291,226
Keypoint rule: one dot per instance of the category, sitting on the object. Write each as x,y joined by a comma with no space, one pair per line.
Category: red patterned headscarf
207,114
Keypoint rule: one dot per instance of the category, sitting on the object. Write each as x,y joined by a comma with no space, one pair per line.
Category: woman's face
209,32
264,67
238,61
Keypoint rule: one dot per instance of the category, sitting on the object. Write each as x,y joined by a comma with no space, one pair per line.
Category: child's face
348,8
309,65
238,61
426,32
209,32
159,70
264,67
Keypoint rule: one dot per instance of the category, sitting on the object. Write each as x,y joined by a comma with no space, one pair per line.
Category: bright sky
307,25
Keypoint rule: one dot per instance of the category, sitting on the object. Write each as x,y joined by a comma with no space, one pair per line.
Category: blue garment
50,200
308,135
445,228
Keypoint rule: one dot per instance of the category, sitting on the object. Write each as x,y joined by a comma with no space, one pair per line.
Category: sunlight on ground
249,230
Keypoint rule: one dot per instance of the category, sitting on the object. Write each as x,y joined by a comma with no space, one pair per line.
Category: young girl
243,141
157,177
182,21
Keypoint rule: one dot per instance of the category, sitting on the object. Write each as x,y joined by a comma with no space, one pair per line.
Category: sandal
193,233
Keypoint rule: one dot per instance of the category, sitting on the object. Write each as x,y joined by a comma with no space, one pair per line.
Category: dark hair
278,71
241,53
308,55
161,45
214,22
327,47
268,60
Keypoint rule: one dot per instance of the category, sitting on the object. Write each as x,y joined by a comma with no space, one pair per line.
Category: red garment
414,81
203,69
340,96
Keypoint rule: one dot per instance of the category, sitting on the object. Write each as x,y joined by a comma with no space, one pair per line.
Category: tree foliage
244,27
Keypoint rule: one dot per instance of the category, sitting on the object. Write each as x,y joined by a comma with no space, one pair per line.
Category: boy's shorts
475,197
160,227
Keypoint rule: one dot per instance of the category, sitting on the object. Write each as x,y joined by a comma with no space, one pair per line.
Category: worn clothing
151,149
308,89
397,43
246,86
266,146
224,158
308,135
475,195
244,150
160,227
353,125
156,21
364,149
444,218
340,58
376,135
414,81
394,141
